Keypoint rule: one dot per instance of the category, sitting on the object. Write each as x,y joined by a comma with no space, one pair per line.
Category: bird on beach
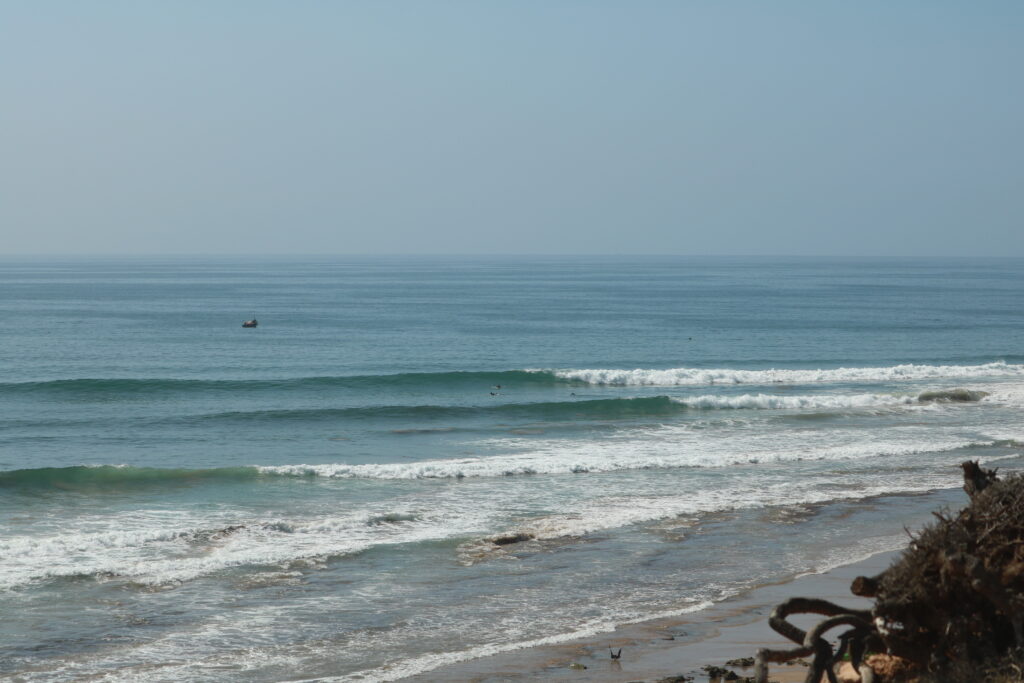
615,655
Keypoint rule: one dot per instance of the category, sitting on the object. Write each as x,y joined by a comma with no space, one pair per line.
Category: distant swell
556,411
546,410
111,387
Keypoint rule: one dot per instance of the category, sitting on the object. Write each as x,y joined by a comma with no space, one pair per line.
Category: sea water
413,461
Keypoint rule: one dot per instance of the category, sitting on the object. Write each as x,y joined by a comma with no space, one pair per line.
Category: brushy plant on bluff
950,609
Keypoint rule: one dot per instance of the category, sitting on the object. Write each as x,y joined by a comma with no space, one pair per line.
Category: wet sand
661,648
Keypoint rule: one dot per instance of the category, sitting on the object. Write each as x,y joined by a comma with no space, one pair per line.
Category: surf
475,380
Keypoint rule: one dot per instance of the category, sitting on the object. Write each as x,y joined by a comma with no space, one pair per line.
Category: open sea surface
414,461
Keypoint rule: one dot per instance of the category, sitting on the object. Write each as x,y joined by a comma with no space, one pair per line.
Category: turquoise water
415,461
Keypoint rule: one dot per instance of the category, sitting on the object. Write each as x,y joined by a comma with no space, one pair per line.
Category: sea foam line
430,662
808,402
610,456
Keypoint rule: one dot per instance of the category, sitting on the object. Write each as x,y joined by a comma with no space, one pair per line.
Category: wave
593,458
166,548
809,402
701,376
111,388
952,396
546,410
114,476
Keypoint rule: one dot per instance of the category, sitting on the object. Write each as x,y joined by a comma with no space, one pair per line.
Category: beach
678,646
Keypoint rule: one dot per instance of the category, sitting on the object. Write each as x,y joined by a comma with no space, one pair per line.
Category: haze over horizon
684,128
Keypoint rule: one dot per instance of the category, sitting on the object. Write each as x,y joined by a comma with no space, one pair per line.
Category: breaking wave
699,376
609,457
112,388
111,476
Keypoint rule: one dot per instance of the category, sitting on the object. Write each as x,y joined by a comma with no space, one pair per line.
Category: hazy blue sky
816,127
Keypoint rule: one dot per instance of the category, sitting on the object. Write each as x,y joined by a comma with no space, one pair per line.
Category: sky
876,127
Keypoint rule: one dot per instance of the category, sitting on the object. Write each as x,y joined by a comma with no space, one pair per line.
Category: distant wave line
553,411
127,385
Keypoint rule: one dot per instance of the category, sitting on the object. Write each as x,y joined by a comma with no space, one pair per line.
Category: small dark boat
250,323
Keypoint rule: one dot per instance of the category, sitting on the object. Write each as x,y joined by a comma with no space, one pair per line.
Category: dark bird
615,655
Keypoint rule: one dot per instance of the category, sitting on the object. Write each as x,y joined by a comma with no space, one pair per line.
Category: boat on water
250,323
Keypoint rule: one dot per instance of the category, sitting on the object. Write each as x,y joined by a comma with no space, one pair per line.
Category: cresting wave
110,388
99,477
113,476
609,459
699,376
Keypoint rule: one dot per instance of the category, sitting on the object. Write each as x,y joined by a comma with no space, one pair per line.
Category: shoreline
666,647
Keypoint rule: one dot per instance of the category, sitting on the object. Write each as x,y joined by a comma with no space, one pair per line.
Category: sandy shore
676,646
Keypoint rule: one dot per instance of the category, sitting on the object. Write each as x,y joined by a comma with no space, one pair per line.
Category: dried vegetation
950,609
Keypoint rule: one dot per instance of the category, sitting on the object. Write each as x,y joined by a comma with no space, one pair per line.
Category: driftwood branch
809,643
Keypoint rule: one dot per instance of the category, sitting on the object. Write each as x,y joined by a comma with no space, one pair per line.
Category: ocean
416,461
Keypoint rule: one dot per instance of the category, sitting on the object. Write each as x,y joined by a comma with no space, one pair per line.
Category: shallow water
184,499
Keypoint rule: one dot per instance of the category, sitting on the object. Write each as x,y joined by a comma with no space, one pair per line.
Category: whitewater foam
824,402
153,554
658,451
697,376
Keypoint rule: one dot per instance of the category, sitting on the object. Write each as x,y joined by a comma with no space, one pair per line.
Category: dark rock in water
742,661
508,540
953,395
720,672
391,518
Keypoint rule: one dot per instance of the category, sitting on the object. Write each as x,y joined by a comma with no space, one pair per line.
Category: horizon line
328,255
